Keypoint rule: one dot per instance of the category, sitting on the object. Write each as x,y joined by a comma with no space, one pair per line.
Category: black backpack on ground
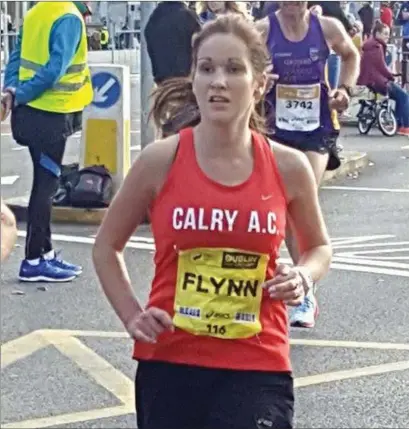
93,188
68,179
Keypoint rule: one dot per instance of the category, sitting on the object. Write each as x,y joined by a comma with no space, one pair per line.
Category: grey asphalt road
66,361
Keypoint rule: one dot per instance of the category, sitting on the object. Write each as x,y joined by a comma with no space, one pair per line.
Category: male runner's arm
339,40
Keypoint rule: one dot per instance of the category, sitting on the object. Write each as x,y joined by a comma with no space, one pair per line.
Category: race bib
298,107
219,291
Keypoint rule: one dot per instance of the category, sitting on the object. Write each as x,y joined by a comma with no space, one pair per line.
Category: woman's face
383,35
216,6
223,81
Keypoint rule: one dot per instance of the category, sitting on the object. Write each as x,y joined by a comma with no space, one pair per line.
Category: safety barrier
106,122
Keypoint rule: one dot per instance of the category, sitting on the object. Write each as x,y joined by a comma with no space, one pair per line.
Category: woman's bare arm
304,210
126,212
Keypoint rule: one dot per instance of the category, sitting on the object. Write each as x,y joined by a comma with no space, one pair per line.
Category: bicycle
379,112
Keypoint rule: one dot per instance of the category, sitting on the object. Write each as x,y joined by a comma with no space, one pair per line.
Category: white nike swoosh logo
266,197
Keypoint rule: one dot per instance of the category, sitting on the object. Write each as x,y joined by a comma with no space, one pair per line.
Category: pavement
66,361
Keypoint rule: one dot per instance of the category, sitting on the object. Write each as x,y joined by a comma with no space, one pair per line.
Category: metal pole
24,8
146,78
5,33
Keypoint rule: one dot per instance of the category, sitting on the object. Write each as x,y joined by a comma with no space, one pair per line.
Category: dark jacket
374,71
334,10
168,36
367,15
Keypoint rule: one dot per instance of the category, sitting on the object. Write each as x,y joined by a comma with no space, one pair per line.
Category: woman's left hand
286,285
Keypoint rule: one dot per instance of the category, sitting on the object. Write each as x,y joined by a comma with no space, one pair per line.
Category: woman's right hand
148,325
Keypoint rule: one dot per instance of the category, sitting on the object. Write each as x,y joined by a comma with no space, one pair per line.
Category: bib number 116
216,329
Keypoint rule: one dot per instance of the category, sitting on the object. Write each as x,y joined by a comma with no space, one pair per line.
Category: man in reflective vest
47,86
104,37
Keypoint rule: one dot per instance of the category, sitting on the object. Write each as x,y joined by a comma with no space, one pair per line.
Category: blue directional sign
107,90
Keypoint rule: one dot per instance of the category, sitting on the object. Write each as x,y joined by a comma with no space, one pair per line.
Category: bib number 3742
298,108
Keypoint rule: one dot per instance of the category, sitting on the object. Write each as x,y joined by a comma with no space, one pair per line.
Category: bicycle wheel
365,123
387,122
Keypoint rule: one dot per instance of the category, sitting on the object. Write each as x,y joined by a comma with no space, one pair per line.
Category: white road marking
135,148
371,270
339,263
353,188
373,252
370,262
135,239
405,147
340,242
360,246
91,240
9,180
18,148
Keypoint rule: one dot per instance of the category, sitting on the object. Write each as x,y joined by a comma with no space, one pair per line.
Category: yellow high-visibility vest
74,90
104,37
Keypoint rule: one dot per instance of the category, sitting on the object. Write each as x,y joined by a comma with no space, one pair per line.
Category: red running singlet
215,245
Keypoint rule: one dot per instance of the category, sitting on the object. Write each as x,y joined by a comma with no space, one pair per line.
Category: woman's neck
223,140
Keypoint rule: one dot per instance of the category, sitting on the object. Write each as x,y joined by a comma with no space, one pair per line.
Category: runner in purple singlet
300,105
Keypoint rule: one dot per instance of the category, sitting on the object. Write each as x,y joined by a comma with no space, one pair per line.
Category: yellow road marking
57,334
348,374
350,344
22,347
66,419
99,369
114,381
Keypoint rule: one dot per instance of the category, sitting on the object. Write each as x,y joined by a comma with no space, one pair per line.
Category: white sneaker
305,315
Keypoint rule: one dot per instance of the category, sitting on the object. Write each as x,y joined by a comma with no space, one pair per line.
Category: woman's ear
260,88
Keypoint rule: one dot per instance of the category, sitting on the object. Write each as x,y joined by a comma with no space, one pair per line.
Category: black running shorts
170,396
324,145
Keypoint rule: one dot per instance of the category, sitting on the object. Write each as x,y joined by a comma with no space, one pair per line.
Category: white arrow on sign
99,93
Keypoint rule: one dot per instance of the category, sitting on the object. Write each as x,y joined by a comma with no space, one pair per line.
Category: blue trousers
401,98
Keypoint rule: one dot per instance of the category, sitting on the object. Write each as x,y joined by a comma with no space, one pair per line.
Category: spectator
269,7
367,15
358,37
334,10
168,36
386,14
47,85
376,75
208,10
403,19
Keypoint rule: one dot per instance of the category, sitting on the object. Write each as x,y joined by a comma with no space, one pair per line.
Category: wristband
307,280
